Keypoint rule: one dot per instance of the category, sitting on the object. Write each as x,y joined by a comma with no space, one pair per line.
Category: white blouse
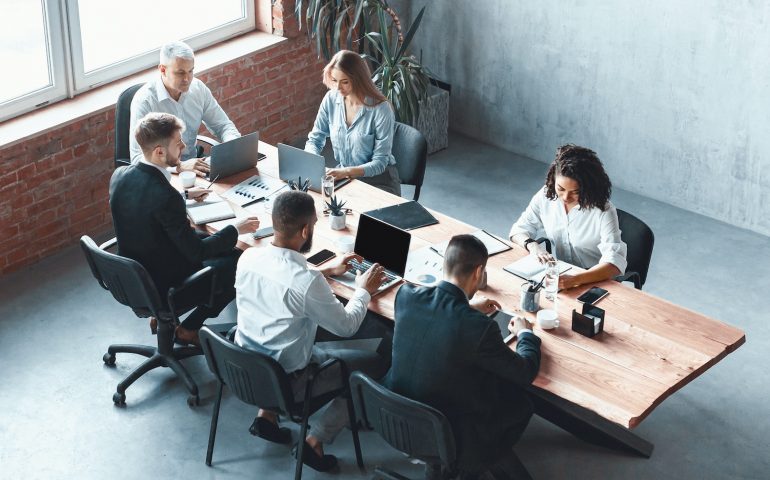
582,237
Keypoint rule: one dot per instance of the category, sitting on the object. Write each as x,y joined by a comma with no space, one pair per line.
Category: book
493,243
212,209
529,268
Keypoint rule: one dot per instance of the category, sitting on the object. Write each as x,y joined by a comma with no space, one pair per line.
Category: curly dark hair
582,165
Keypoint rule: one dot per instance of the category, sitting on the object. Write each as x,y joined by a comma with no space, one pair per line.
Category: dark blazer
150,220
452,357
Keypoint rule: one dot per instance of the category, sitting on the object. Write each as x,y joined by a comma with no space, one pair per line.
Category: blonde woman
358,119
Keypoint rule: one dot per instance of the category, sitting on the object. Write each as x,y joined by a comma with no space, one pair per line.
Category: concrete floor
57,419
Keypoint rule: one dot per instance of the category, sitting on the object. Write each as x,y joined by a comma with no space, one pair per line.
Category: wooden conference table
597,388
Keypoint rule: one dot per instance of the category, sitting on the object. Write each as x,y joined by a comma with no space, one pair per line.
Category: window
49,53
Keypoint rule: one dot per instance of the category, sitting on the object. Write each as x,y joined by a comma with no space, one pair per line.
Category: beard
307,245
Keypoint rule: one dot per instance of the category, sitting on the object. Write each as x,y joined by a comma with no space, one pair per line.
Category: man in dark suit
151,224
449,354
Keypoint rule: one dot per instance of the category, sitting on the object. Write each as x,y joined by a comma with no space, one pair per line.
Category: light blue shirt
366,143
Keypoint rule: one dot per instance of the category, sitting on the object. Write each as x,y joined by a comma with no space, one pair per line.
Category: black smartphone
263,232
593,295
321,257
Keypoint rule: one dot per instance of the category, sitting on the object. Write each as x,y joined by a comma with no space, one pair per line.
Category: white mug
547,319
345,243
187,179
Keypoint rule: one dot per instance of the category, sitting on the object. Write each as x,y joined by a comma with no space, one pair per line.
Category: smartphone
321,257
263,232
593,295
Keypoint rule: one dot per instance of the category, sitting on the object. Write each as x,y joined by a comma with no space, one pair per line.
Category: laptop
233,157
294,163
378,242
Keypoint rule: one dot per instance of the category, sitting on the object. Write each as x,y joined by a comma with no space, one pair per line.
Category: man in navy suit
449,354
151,225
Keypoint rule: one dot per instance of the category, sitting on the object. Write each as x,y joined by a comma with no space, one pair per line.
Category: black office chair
258,379
132,286
639,240
123,125
409,426
411,152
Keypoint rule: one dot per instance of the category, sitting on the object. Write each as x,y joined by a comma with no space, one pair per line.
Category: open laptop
379,242
235,156
294,163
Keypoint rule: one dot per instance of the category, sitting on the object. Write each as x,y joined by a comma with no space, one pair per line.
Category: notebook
406,216
212,209
529,268
493,243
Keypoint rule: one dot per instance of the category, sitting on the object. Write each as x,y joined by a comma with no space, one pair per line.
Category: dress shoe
183,336
264,428
317,462
154,325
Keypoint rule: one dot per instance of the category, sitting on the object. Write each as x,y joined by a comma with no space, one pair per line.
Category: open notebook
210,210
529,268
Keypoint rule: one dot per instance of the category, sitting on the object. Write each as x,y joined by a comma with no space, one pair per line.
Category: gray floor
57,419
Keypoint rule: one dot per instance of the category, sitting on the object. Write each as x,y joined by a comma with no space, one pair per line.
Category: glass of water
327,187
551,282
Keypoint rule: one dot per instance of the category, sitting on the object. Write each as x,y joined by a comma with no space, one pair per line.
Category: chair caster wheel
193,400
109,359
119,399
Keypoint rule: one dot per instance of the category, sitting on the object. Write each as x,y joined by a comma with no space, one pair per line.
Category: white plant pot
337,222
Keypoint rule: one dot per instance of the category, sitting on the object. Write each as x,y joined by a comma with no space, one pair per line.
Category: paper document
424,266
529,268
210,210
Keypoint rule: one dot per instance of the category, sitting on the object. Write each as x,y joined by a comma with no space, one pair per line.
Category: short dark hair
582,165
463,255
156,129
292,210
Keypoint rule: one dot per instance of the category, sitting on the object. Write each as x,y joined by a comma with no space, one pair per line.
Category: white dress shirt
582,237
195,106
281,302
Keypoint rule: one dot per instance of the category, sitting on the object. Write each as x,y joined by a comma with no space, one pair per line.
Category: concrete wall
672,95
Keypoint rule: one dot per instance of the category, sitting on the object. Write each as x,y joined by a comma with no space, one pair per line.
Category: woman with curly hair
573,210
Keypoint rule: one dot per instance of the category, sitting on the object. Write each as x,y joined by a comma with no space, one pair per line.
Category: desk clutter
253,189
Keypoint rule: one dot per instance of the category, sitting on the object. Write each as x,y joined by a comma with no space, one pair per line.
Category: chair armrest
547,243
631,276
205,273
207,140
109,244
122,162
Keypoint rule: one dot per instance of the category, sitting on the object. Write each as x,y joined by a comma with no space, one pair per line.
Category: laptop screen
382,243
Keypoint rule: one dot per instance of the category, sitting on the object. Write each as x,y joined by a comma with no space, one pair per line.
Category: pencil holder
589,323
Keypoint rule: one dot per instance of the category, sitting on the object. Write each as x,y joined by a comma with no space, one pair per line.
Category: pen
212,182
436,250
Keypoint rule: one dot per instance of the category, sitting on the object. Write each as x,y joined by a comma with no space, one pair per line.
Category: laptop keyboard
365,265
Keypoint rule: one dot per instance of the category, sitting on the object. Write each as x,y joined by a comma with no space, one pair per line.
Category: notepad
529,268
494,244
212,209
406,216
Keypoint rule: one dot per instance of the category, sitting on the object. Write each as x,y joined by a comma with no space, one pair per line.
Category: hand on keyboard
371,279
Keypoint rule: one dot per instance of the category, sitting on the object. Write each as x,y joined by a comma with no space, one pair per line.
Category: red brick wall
54,186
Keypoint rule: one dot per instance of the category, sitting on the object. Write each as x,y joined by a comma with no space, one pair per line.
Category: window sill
103,98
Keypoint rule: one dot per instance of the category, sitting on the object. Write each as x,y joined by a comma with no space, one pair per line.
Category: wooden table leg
586,424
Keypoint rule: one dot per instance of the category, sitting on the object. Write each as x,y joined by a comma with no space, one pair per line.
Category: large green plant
372,28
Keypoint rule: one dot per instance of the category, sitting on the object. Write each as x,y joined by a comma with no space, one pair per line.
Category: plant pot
434,119
337,222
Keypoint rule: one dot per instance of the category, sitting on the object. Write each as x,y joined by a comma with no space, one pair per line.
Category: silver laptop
235,156
379,242
294,163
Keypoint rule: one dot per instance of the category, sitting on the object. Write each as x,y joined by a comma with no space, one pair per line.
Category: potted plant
299,184
336,213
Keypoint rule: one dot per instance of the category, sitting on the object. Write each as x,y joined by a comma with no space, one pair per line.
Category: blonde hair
356,69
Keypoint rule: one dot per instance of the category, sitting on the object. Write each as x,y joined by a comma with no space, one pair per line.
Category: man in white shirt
177,92
282,302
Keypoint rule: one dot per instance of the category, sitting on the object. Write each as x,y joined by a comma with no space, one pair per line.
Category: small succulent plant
335,207
299,184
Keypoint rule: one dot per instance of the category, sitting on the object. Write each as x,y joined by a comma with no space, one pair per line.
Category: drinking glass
327,187
551,282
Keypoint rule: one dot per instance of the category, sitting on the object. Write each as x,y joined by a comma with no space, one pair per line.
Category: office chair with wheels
258,379
411,152
409,426
132,286
639,239
123,126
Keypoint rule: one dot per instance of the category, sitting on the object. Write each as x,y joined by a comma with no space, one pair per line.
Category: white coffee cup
345,243
187,179
547,319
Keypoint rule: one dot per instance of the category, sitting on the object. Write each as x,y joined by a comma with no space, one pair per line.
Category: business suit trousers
334,417
224,291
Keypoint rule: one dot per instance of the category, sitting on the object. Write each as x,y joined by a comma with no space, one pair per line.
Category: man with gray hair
177,92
